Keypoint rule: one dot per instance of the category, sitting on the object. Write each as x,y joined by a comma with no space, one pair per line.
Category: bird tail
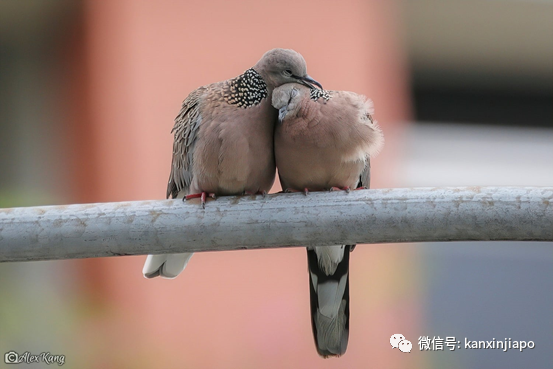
166,266
329,291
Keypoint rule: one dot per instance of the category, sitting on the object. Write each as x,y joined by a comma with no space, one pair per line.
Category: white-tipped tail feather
166,266
332,335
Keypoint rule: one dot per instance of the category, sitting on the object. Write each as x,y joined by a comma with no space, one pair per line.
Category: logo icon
398,341
394,340
11,357
405,346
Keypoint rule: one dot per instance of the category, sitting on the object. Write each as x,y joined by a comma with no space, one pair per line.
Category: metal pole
279,220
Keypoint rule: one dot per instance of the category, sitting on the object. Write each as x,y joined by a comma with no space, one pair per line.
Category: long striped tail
329,291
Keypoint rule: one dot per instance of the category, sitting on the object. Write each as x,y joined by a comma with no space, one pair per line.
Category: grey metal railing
279,220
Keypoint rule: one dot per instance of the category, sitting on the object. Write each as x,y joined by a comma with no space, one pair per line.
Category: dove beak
309,82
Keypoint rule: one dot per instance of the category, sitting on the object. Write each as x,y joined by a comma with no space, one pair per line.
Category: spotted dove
223,140
324,141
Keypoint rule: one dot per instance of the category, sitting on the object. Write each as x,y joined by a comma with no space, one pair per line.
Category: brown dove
223,140
324,141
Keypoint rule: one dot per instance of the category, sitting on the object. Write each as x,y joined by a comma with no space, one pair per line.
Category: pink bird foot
202,196
290,190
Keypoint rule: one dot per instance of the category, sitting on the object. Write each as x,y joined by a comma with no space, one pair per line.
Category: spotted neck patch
316,94
246,90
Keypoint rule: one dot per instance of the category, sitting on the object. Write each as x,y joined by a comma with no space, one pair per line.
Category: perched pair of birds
230,135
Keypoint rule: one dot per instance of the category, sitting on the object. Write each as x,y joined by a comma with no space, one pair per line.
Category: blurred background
463,90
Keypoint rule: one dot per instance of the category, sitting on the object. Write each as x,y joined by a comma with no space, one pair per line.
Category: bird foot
202,196
290,190
347,189
361,188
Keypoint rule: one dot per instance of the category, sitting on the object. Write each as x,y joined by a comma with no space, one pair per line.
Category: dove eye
287,72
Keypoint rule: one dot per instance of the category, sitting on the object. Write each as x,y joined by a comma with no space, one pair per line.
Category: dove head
287,99
280,66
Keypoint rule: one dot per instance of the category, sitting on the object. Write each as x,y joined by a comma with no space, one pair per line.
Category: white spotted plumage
246,90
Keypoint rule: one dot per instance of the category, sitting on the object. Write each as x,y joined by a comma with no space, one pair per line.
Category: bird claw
193,196
202,200
202,196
